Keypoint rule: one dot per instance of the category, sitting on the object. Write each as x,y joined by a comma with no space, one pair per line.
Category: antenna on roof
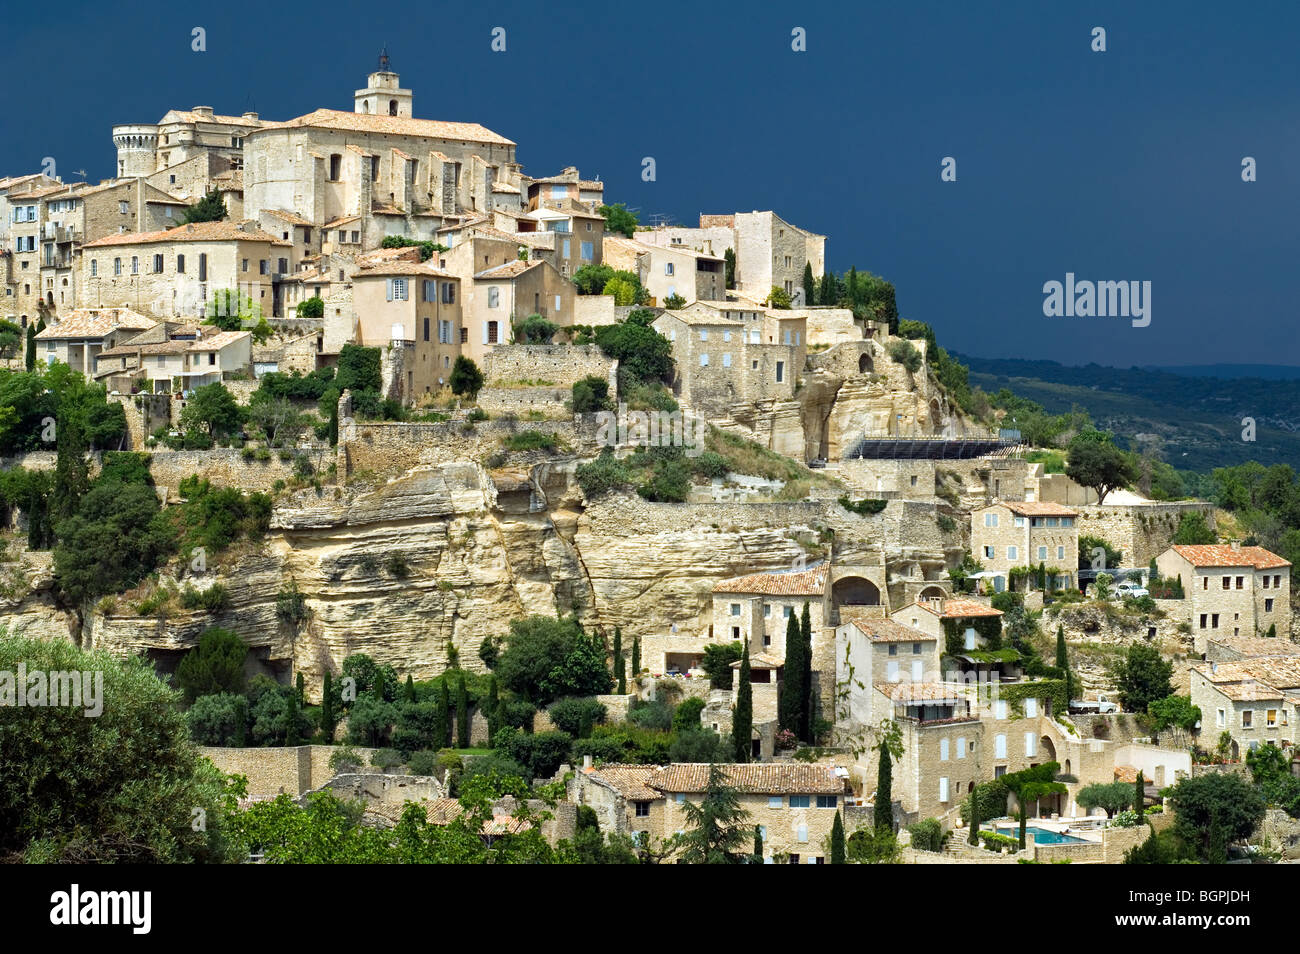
383,59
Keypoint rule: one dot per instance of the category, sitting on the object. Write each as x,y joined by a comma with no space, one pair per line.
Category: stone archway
1048,748
852,593
932,593
865,364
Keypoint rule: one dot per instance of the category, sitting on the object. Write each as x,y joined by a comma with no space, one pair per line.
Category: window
1205,582
943,750
135,265
642,809
668,268
1214,621
774,801
961,746
264,266
1265,581
704,334
798,801
123,208
94,268
990,520
794,859
1277,580
566,251
1203,621
916,649
943,789
1247,716
1270,718
786,612
588,250
969,642
893,649
157,264
117,266
1000,747
1268,605
1013,553
704,360
726,360
449,293
1060,553
397,289
988,552
426,329
735,609
1018,521
444,332
1042,553
1031,708
767,610
827,801
1241,582
494,297
557,304
891,670
1221,719
1030,745
1227,582
491,332
780,371
1000,709
180,264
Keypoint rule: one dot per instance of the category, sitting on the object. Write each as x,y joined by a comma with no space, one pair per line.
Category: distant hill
1264,372
1198,415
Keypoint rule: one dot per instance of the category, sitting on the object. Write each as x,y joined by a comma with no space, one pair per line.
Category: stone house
188,357
793,805
1230,589
417,306
719,362
668,270
507,294
176,271
578,233
1023,533
78,338
1254,700
169,148
569,184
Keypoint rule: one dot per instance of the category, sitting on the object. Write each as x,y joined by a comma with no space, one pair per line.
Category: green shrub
927,835
576,715
905,353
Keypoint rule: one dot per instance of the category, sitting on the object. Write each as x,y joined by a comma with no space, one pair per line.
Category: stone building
770,252
1022,534
666,271
80,336
176,271
720,361
578,234
1230,589
1253,699
793,805
506,294
414,307
569,184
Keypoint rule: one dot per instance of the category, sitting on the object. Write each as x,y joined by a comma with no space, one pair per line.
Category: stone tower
383,95
136,144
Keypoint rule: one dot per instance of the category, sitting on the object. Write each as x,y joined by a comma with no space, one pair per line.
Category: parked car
1129,588
1102,705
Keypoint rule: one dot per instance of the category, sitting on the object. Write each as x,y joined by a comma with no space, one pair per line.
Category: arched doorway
852,592
865,364
1049,750
932,593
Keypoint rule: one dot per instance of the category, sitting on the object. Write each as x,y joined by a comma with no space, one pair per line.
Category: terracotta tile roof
531,239
219,340
401,268
763,778
955,608
393,125
1225,554
189,116
888,631
508,270
500,186
161,347
1036,508
761,661
194,232
628,780
95,323
811,582
336,222
1263,677
1126,773
406,252
1251,646
289,217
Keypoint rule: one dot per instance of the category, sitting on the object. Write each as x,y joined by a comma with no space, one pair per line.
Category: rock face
429,563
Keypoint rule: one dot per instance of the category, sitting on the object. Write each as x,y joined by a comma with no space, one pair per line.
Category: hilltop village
475,477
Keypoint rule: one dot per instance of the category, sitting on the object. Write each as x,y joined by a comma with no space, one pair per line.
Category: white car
1129,588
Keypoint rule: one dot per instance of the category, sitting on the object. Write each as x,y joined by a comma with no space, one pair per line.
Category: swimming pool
1043,836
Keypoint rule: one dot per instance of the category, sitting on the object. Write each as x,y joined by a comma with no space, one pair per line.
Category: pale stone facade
1024,534
668,270
1231,590
1254,700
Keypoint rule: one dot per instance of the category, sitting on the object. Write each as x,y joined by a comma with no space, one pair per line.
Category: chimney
1235,544
204,111
250,116
586,763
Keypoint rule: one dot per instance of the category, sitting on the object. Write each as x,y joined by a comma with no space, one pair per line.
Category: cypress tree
30,362
974,836
492,703
837,840
462,714
809,285
410,688
636,656
729,267
758,845
620,668
830,292
789,714
327,722
809,705
441,716
301,687
1063,664
378,689
1139,795
742,722
884,815
291,736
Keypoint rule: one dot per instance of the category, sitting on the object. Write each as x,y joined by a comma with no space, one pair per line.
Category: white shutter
943,789
1031,708
485,341
1030,742
961,746
1000,747
943,750
388,288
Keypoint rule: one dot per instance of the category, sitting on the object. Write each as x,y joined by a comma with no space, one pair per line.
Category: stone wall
293,770
548,400
560,365
225,467
1140,531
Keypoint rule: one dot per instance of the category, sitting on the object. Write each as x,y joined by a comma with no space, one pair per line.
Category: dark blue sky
1123,165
